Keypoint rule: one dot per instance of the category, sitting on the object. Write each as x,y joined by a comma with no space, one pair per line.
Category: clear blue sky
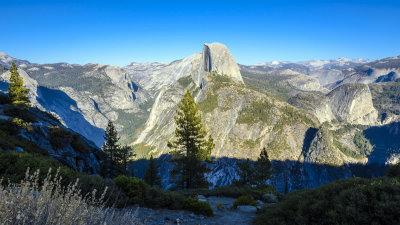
119,32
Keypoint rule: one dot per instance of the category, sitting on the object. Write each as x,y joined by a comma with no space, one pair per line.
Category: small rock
270,198
202,198
19,149
247,208
192,215
260,202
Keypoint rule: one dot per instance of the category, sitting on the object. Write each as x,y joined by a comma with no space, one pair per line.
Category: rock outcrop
217,58
142,98
349,103
352,103
84,97
46,133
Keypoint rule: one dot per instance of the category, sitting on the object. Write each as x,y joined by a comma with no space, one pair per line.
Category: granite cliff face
313,126
85,97
217,58
349,103
352,103
48,136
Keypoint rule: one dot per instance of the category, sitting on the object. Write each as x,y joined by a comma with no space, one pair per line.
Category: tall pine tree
111,148
245,172
257,173
123,157
118,156
262,169
191,146
17,92
151,175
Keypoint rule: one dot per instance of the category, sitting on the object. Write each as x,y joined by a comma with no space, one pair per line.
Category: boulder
202,198
269,198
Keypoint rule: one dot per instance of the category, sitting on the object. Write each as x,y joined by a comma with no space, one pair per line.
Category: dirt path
224,217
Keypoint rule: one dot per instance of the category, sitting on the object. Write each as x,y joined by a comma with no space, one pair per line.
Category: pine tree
262,169
245,172
151,175
123,157
257,173
17,92
191,146
111,149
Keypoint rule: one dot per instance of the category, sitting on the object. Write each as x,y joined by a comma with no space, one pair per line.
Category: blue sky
119,32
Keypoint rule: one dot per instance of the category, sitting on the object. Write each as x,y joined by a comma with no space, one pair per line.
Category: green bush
22,124
60,137
8,127
244,200
9,140
78,145
198,207
138,192
114,195
134,188
233,191
24,114
348,201
13,166
393,171
157,198
141,193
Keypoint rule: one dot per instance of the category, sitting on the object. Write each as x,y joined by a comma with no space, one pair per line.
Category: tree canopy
17,92
191,146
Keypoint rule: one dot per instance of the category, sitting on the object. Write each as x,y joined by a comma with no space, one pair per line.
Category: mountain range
319,120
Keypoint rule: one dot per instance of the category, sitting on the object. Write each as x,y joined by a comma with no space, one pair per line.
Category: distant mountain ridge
318,116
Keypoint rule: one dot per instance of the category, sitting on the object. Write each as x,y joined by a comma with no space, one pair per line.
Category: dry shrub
50,203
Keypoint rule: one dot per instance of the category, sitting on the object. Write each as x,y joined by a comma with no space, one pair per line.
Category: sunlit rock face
84,97
352,103
242,117
217,58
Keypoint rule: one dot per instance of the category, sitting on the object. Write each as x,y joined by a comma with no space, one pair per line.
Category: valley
304,113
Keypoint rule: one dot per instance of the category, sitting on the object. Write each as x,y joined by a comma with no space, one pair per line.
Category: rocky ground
243,215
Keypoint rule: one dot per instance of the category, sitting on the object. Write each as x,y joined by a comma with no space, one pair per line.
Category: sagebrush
48,202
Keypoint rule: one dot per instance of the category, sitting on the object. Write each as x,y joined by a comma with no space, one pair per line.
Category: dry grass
49,203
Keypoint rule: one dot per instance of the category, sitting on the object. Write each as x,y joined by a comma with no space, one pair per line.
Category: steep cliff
85,97
217,58
34,131
349,103
352,103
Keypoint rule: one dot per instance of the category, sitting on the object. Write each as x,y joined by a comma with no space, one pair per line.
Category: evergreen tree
17,92
112,149
245,172
191,146
257,173
262,168
123,157
151,175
